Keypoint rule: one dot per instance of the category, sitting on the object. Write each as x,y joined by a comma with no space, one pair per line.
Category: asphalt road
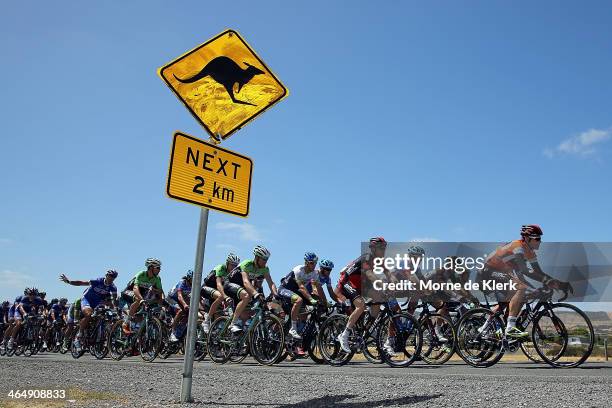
131,382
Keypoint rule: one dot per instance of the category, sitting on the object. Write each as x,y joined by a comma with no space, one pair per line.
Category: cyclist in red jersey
349,286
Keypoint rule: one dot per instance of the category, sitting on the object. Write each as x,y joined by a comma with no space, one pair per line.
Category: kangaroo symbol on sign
226,72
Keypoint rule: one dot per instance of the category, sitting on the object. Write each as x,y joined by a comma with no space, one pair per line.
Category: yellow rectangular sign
210,176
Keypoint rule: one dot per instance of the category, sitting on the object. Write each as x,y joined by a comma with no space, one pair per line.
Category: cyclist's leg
86,312
516,304
240,296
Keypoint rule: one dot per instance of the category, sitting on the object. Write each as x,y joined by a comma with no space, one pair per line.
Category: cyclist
11,320
74,316
349,286
212,289
511,263
4,312
325,268
178,298
147,285
99,291
28,304
293,290
239,285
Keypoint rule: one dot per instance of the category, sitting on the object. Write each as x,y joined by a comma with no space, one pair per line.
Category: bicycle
148,337
401,329
95,337
482,341
263,338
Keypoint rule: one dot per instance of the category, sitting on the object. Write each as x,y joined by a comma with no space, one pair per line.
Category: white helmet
232,258
261,252
152,262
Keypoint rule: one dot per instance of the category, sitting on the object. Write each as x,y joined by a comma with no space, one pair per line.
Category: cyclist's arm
332,293
317,287
181,299
137,294
246,282
220,287
303,290
271,284
114,299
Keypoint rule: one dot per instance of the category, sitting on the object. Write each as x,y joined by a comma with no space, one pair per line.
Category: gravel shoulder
132,383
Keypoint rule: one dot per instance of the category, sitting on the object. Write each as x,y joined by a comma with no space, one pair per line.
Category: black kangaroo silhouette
226,72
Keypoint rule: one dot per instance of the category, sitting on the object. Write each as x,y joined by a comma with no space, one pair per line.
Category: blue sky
448,121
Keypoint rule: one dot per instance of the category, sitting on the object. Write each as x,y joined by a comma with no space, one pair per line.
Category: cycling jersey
97,293
299,275
58,310
183,286
219,271
30,304
351,274
143,281
4,314
250,268
504,258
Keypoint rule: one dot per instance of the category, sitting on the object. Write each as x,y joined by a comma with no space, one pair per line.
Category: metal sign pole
194,305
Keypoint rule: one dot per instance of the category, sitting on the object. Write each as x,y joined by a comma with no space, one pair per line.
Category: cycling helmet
152,262
5,303
261,252
378,242
326,264
232,258
112,272
188,275
310,257
63,300
531,231
27,291
416,250
34,292
54,301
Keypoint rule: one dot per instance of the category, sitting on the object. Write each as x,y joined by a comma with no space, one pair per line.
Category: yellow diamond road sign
223,83
208,175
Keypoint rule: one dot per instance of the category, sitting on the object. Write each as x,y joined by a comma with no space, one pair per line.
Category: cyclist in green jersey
239,285
147,285
212,289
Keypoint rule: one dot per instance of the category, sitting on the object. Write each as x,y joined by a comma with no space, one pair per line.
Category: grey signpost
194,305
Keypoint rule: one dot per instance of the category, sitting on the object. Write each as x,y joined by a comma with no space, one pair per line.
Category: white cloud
226,247
581,145
425,240
245,232
15,280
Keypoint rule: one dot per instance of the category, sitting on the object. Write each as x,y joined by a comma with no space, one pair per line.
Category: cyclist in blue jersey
99,291
325,268
179,297
4,312
11,320
29,304
57,315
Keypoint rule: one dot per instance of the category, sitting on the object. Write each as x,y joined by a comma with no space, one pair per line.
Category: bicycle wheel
527,346
314,352
480,348
402,332
220,340
100,345
201,348
267,339
435,350
563,335
118,342
327,341
150,339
